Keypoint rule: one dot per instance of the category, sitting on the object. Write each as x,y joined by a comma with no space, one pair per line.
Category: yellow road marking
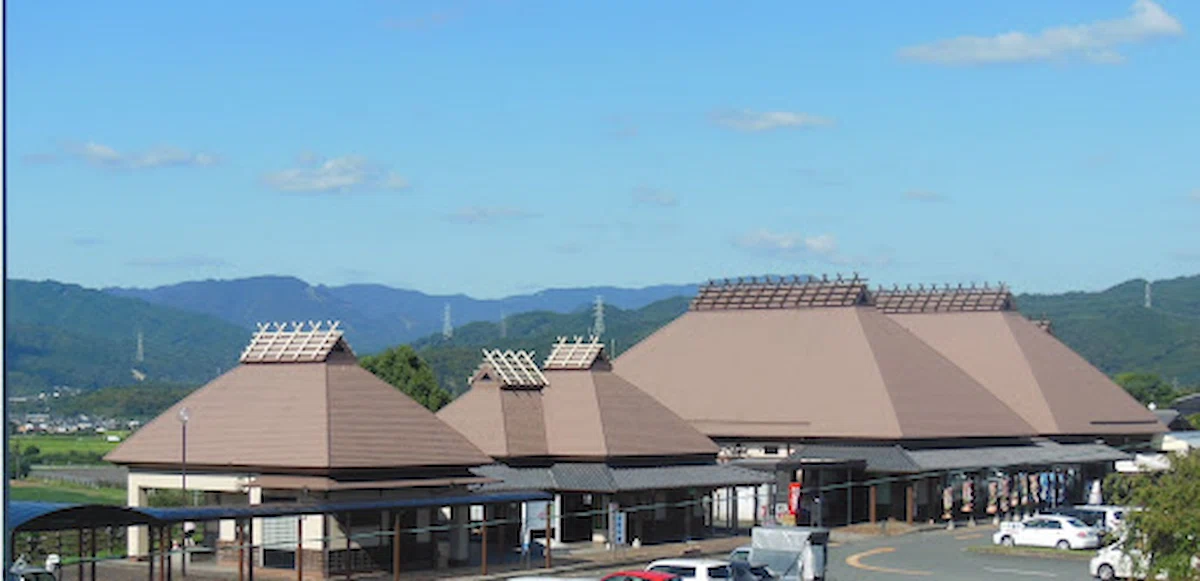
856,562
970,536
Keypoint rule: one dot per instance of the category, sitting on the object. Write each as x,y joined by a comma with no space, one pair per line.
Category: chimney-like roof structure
299,404
583,411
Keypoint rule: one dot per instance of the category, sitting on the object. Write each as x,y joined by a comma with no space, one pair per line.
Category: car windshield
1077,523
720,572
675,570
779,563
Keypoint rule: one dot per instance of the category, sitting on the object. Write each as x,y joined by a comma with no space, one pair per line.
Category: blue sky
499,146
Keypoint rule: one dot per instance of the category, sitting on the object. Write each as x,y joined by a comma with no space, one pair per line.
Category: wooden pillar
909,509
170,569
164,547
239,538
396,546
150,550
348,560
549,527
483,545
79,551
250,549
300,548
871,504
92,544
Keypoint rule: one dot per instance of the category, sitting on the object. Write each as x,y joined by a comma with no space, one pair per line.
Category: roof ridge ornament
945,298
294,342
783,292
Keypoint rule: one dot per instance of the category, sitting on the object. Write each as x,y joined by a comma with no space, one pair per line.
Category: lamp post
184,416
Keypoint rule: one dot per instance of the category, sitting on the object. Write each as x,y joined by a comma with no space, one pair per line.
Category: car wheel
1063,544
1106,572
1007,541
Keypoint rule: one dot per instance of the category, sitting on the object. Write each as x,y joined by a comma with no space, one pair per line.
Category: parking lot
935,556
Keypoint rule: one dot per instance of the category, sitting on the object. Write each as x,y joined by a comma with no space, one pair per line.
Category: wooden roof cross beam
293,343
515,368
579,354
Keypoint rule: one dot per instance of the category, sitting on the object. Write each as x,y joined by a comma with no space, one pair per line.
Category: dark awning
598,477
896,459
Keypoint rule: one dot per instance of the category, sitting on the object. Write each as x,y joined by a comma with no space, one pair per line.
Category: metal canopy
24,516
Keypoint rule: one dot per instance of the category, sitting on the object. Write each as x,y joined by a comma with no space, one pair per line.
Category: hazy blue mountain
375,316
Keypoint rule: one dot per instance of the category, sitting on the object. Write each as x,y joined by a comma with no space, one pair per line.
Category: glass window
721,572
1053,524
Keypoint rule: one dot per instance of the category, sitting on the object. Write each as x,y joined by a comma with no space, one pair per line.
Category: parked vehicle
790,553
640,576
1116,562
22,571
740,554
1062,532
692,569
1107,517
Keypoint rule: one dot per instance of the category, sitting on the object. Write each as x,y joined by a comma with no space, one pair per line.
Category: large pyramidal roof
299,402
809,359
574,407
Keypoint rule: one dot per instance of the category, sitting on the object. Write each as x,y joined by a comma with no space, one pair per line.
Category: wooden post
483,545
871,504
80,553
908,503
348,560
150,550
396,547
239,536
170,568
549,526
92,544
300,548
164,545
250,549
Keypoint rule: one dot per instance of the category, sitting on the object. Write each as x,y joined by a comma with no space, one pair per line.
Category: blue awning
49,516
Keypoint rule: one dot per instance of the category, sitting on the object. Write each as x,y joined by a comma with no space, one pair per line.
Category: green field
62,492
63,444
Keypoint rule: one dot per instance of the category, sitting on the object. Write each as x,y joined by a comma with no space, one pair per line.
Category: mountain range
64,334
374,316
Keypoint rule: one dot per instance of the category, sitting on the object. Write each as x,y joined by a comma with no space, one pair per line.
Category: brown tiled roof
780,293
796,373
587,413
314,417
1051,386
944,300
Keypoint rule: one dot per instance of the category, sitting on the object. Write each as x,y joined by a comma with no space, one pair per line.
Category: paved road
942,555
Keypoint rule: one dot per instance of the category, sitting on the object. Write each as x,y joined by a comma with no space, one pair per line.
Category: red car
640,576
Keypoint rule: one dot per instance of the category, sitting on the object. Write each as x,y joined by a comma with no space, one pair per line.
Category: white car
692,569
1115,562
1062,532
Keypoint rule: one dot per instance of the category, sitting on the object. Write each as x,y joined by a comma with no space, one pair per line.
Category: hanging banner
794,498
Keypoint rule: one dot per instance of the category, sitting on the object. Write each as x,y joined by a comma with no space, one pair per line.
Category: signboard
536,512
793,498
619,528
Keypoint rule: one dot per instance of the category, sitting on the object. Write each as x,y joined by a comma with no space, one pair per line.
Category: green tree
404,369
1147,388
1167,529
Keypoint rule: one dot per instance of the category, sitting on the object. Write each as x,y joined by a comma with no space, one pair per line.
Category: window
721,572
771,450
674,570
1053,524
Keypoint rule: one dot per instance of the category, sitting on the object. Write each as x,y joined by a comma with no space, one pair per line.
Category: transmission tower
141,348
598,314
503,325
447,327
1148,302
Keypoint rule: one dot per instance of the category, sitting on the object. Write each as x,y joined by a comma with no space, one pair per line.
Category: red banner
794,498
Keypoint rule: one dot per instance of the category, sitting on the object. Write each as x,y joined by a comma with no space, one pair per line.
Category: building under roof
574,427
298,420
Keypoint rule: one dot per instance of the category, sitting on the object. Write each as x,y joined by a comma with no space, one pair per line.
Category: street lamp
184,416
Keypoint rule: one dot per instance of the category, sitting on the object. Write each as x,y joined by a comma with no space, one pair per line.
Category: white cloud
101,155
1096,42
924,196
334,175
654,197
787,244
753,121
487,214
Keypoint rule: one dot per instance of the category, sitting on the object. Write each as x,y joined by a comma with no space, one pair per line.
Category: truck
790,553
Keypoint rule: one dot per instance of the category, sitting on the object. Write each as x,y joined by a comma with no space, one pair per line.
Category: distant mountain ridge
375,316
